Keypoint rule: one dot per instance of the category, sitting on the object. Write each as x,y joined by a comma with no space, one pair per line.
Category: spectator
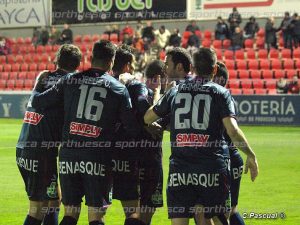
107,30
115,30
192,27
175,38
251,28
281,86
235,19
139,27
54,36
296,30
221,30
138,43
287,30
194,41
294,86
127,39
128,30
271,39
36,36
44,36
162,37
4,46
66,35
148,35
237,40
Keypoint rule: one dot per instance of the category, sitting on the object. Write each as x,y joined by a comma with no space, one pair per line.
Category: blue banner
13,104
268,110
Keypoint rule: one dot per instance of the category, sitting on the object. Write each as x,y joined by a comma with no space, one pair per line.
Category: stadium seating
243,74
265,64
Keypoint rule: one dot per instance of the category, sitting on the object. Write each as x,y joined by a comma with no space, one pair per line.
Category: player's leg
51,217
71,214
235,217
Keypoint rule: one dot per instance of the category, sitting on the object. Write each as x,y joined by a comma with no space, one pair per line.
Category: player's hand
41,80
155,130
157,84
251,163
125,78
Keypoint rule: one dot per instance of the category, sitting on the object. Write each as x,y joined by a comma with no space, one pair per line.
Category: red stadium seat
199,34
81,66
114,38
33,67
95,37
3,84
253,64
28,41
28,58
52,56
251,54
243,74
261,33
10,84
260,91
267,74
40,49
249,44
234,83
206,43
279,74
31,75
260,43
240,55
23,50
281,43
258,83
20,41
248,91
207,34
28,84
45,58
228,55
230,64
87,65
219,54
276,64
13,75
217,44
15,67
236,91
291,73
4,75
296,53
10,59
255,74
104,37
226,43
19,59
87,38
55,48
288,64
286,53
262,54
272,92
2,59
241,65
31,49
1,69
246,83
233,74
77,39
265,64
42,66
22,75
274,54
270,83
36,58
51,66
19,84
297,64
14,49
7,68
48,49
186,34
24,67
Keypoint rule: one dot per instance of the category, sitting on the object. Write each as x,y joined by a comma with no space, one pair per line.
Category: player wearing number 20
200,112
94,102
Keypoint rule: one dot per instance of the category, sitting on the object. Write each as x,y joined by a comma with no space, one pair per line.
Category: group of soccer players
106,127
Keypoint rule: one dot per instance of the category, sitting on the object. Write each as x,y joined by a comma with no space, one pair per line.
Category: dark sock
133,221
96,223
223,219
31,221
51,218
236,219
68,220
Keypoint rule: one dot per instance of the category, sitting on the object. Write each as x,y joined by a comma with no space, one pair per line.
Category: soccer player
200,110
236,161
37,147
136,179
94,102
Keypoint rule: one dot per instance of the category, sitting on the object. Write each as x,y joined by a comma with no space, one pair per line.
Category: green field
277,189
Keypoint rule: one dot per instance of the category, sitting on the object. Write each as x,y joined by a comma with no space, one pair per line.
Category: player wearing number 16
200,112
94,102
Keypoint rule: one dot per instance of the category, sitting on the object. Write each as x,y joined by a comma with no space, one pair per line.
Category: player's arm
48,98
239,140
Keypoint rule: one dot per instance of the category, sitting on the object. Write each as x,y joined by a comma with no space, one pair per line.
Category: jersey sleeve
163,106
127,117
227,108
48,98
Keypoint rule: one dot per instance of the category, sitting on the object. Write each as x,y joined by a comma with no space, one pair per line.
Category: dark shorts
188,188
236,170
39,173
85,174
125,179
151,182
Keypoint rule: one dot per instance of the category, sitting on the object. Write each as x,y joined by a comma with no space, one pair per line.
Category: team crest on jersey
32,118
85,130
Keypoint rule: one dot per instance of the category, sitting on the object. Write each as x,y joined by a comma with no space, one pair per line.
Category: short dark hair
205,60
156,67
124,55
68,57
181,55
222,74
104,51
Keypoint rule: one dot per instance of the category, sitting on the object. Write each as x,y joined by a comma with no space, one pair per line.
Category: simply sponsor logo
32,117
85,130
191,140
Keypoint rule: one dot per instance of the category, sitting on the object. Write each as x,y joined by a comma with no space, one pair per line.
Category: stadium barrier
252,109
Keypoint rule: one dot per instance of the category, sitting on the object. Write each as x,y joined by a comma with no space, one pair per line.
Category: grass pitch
276,190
